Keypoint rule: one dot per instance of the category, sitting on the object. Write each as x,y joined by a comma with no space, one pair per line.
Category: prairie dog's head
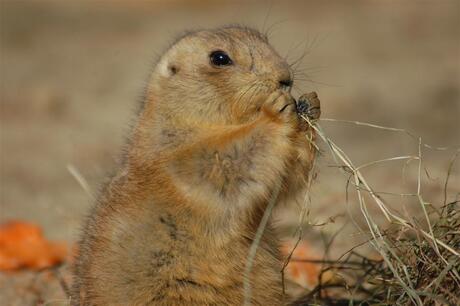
220,75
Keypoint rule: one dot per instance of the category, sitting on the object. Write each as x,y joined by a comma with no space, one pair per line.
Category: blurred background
73,72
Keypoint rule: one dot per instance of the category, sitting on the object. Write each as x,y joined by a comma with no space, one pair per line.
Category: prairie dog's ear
173,68
167,68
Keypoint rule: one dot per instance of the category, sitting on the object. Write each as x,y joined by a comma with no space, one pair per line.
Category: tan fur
174,226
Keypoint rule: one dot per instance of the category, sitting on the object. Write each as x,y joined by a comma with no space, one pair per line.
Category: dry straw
419,266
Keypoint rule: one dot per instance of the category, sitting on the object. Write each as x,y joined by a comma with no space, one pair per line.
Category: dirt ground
72,74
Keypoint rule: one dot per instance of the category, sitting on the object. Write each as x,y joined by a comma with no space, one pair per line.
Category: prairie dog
216,133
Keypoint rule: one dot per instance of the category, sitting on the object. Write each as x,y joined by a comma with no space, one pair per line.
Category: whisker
270,29
241,96
267,16
318,82
294,48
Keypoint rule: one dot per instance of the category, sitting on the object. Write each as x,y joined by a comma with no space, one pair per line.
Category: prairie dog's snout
284,77
268,64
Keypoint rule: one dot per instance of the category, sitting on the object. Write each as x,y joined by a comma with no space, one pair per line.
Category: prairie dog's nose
283,76
285,83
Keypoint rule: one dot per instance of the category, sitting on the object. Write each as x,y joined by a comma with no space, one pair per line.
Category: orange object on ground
303,273
22,245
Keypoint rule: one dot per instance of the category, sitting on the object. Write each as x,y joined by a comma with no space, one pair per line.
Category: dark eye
220,58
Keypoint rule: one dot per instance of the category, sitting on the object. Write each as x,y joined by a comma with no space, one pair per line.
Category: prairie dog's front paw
282,106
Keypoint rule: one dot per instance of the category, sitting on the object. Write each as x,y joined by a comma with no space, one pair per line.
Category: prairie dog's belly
154,258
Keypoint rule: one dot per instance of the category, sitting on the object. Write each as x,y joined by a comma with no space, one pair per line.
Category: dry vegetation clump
430,274
431,271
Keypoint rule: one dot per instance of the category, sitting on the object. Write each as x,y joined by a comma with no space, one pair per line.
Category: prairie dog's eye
220,58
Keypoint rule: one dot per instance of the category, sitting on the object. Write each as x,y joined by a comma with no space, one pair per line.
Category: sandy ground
72,74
